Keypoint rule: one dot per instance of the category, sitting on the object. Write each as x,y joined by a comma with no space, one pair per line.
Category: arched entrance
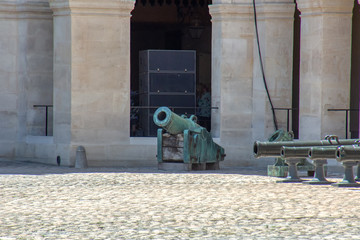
169,25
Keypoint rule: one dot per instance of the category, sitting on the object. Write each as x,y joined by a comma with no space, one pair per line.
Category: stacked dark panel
167,78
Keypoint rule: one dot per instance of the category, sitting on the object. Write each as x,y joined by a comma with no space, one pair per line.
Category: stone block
62,133
81,159
236,120
45,150
7,149
132,152
96,152
8,102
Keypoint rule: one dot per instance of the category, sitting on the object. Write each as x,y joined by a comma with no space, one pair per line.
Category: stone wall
79,60
91,76
25,70
325,61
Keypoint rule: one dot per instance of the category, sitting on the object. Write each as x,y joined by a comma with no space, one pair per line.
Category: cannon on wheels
182,142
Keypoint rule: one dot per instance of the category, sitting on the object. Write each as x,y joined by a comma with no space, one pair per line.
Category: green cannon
186,142
318,155
292,157
327,152
293,151
272,149
349,156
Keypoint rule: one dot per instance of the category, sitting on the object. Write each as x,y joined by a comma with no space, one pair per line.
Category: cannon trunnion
181,140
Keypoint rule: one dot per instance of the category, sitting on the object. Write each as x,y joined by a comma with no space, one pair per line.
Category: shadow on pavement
12,167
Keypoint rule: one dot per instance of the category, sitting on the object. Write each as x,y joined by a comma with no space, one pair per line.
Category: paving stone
51,202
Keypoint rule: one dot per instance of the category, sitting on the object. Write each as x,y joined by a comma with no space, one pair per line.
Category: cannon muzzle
348,153
173,123
267,149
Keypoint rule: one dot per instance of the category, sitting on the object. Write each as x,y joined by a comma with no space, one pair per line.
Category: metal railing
346,110
172,108
46,115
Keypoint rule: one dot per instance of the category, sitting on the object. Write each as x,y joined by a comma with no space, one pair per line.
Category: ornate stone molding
280,9
244,9
25,10
90,7
320,7
231,12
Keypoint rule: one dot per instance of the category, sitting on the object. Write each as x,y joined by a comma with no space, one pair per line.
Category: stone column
275,26
232,76
91,75
8,78
35,66
325,61
25,70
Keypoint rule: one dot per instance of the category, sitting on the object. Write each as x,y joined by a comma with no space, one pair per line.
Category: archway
168,25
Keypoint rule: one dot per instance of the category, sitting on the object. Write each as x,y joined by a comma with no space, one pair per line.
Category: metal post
46,120
46,115
287,119
346,123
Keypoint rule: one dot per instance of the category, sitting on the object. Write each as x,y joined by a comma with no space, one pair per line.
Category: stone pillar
232,76
91,75
275,26
8,78
35,27
25,70
325,61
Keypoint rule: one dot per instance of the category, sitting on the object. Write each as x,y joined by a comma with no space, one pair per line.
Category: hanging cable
262,69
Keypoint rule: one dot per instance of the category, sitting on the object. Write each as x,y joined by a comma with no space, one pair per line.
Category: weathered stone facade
75,55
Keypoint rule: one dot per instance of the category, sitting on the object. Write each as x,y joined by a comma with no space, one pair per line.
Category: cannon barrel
185,141
322,152
347,153
294,152
272,149
173,123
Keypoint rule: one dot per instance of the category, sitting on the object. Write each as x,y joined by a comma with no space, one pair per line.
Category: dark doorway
355,73
169,25
296,73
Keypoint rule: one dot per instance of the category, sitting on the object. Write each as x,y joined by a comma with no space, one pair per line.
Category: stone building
80,59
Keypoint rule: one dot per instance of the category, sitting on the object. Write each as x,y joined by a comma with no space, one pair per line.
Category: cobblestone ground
50,202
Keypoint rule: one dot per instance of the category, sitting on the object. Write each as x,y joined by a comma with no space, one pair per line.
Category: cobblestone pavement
50,202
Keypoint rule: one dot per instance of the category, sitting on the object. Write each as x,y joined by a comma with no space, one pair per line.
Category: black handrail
172,108
287,115
346,110
46,115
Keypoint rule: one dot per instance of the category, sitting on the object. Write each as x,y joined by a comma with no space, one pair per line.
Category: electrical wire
262,68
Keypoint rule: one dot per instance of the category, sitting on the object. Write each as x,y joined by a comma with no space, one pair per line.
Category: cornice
243,9
91,7
25,10
232,12
240,2
275,10
320,7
